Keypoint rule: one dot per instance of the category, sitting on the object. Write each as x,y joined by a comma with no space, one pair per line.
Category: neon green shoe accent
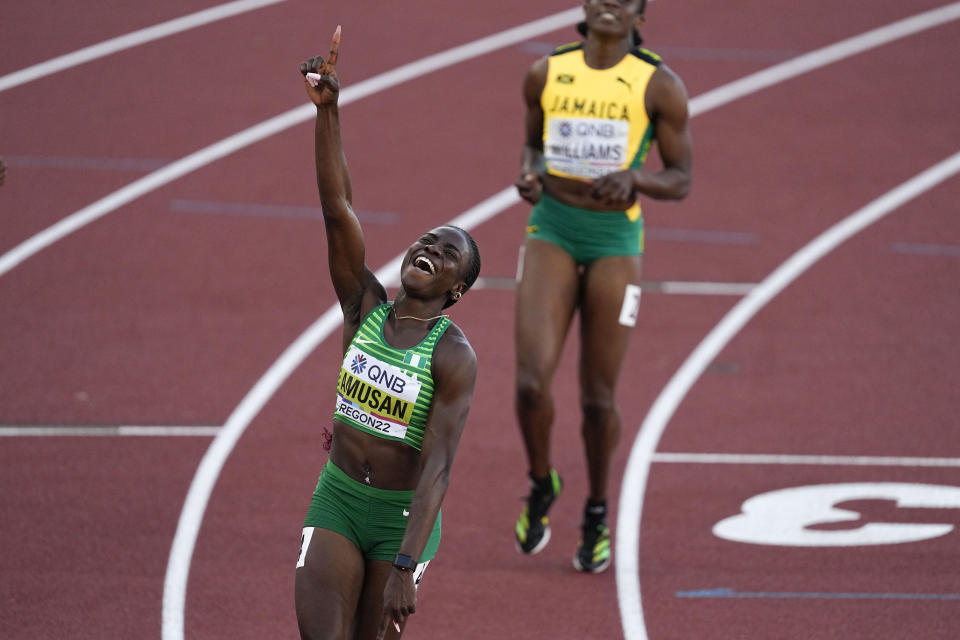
532,529
523,525
593,552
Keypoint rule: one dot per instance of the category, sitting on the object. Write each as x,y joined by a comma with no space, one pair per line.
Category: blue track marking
86,163
272,211
807,595
708,237
926,249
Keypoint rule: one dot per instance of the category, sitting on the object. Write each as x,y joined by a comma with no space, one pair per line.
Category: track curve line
642,452
275,125
653,426
633,486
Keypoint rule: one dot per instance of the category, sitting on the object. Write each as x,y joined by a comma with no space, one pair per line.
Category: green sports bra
385,391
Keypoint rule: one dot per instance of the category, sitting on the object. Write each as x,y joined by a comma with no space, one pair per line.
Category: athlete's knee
531,392
599,412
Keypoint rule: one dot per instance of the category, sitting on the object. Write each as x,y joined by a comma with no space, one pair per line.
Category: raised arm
352,280
528,184
454,371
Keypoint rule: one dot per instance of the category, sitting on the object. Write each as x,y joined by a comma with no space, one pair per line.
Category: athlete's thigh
328,583
546,299
608,310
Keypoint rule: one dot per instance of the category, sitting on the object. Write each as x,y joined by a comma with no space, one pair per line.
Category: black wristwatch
404,562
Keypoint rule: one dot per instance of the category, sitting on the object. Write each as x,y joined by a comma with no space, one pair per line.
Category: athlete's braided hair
473,269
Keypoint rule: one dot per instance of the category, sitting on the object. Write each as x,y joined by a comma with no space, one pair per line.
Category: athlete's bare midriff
389,464
579,193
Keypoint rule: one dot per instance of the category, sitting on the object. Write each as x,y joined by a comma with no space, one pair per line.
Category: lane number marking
782,517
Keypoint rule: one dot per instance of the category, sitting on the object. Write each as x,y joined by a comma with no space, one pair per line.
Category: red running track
160,314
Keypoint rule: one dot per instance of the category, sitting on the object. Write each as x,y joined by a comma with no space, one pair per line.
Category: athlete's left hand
327,89
616,189
399,601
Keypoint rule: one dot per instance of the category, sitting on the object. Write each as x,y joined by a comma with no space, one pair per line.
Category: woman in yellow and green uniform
594,109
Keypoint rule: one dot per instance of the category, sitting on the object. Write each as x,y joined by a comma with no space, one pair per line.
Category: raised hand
325,89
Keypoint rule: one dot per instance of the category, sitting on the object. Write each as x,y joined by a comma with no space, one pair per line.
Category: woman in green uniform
593,110
403,393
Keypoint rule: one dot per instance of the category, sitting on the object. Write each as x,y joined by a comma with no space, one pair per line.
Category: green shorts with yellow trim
584,234
373,519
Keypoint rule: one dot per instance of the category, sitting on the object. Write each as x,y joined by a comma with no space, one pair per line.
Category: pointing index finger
334,48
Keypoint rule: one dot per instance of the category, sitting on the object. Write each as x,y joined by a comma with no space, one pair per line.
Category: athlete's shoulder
455,346
567,48
647,56
454,364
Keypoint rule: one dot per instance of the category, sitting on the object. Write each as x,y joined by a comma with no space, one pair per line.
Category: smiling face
436,263
614,17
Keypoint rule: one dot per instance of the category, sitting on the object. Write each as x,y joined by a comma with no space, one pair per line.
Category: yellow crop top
595,121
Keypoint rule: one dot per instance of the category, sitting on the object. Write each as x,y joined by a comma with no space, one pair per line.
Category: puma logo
629,86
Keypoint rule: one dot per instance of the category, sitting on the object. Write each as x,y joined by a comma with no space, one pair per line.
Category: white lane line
641,454
121,430
275,125
825,56
707,288
790,459
633,487
127,41
669,287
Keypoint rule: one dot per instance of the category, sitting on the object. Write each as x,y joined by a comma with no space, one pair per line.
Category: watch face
404,562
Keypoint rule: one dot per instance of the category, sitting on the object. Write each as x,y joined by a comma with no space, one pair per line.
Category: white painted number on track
782,517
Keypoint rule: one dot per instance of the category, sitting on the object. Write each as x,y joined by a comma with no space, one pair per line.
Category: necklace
416,318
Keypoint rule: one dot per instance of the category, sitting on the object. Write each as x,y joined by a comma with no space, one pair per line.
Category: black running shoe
533,530
593,553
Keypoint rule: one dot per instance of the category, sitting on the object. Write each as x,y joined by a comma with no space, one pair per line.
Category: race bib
376,395
586,147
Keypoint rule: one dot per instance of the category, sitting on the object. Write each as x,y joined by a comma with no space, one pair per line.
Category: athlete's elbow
681,188
334,207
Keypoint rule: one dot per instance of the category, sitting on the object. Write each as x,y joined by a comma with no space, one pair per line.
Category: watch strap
405,562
